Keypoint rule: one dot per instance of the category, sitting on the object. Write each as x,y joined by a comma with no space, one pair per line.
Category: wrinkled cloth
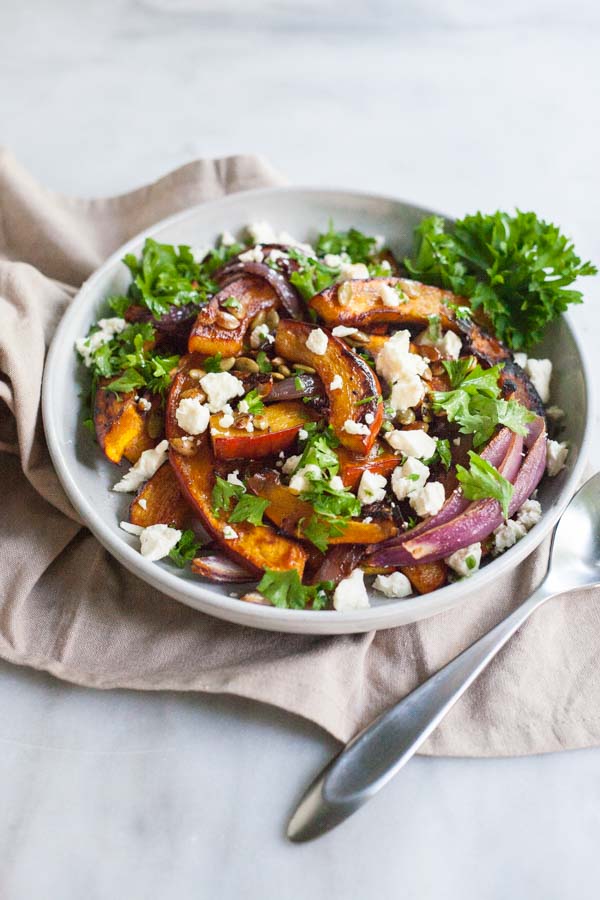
68,608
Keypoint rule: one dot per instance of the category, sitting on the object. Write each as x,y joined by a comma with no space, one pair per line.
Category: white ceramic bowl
87,477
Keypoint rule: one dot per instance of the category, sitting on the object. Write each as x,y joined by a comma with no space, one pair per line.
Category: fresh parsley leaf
224,492
263,362
444,452
483,480
185,549
434,329
298,383
249,509
516,268
458,369
329,501
213,363
319,530
128,381
312,277
119,304
285,589
166,276
255,404
231,303
358,246
319,450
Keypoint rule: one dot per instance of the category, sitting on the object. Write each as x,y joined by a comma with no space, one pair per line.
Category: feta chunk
409,477
343,331
530,514
352,271
449,345
226,421
144,404
192,416
255,254
290,465
520,359
301,481
234,478
390,296
465,561
351,427
556,457
371,488
262,233
402,370
406,393
336,383
229,534
148,463
227,239
507,534
157,541
429,499
143,503
302,434
260,334
107,329
351,593
333,260
394,585
415,442
336,483
540,372
220,387
317,341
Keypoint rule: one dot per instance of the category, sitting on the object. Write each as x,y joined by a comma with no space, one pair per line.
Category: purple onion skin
288,295
480,519
220,568
312,386
175,325
338,563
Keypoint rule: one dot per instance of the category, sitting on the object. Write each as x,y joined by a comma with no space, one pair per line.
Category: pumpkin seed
306,370
226,320
184,447
272,319
227,363
259,319
245,364
261,422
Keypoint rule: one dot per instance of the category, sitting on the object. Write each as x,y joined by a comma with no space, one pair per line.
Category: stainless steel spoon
375,755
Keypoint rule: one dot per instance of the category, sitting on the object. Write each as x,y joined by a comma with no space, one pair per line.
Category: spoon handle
375,755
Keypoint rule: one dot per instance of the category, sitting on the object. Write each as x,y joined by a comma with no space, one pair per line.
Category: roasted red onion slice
289,297
338,563
218,567
288,389
480,519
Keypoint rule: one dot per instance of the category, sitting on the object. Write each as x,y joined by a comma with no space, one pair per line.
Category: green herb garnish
249,509
285,589
483,480
185,549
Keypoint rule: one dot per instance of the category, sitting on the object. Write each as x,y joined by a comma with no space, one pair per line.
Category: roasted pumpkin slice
427,577
280,424
287,511
353,389
380,459
256,547
122,426
160,501
215,329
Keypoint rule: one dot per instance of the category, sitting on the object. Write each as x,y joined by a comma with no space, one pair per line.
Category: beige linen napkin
68,608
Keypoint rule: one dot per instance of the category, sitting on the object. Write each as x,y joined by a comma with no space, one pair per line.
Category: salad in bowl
317,422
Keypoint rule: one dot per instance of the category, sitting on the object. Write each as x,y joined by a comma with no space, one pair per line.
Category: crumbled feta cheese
333,260
520,359
249,426
290,241
302,434
507,534
429,499
352,271
409,477
107,328
148,463
390,296
229,534
343,331
262,233
336,483
465,561
192,416
556,457
290,465
227,239
394,585
351,427
226,421
317,341
143,502
540,372
449,345
369,418
414,442
555,413
255,254
336,383
530,514
275,255
371,488
157,541
144,404
402,370
260,334
301,481
234,478
243,406
130,528
220,387
351,593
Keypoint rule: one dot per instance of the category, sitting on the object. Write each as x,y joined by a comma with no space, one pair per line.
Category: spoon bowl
575,554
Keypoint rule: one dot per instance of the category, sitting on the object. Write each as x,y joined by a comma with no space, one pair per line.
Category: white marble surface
456,105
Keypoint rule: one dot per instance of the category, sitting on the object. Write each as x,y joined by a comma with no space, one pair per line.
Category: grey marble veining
457,105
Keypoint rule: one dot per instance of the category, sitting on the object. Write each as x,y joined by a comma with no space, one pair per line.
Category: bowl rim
265,617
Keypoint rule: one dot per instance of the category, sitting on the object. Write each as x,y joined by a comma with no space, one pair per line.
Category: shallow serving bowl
87,477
